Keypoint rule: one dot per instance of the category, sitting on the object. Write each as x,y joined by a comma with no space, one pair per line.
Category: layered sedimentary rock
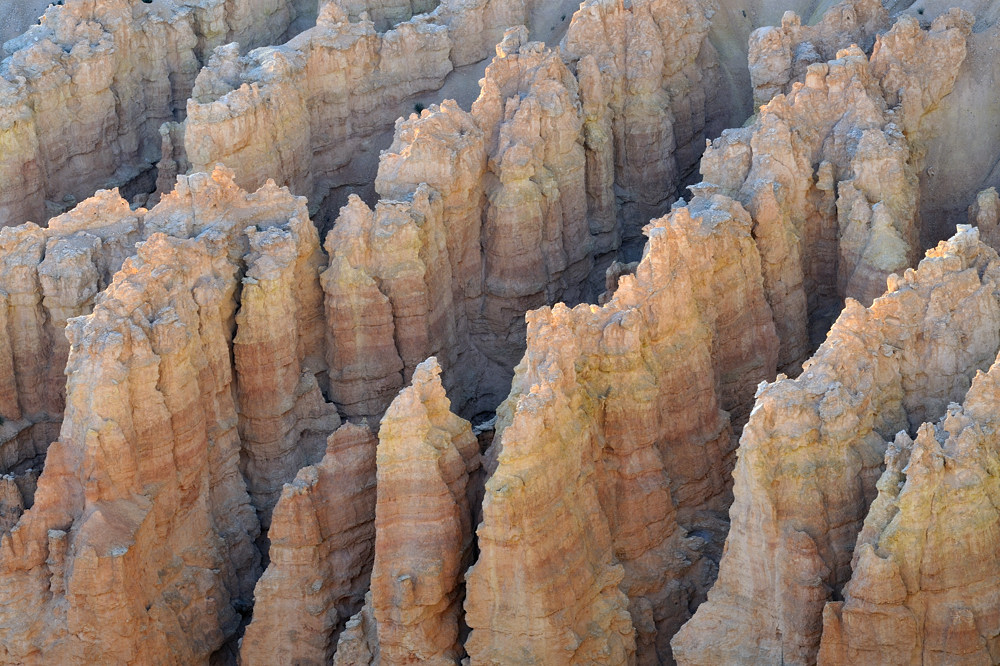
307,113
82,96
299,112
48,276
603,517
483,216
140,537
428,493
322,544
829,174
141,519
924,576
812,452
278,354
780,55
650,82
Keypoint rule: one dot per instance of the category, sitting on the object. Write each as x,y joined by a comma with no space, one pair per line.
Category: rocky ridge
239,343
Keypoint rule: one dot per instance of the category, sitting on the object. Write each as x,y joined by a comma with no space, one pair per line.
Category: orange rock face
647,96
176,482
322,542
603,514
142,519
140,536
795,522
483,216
829,174
428,488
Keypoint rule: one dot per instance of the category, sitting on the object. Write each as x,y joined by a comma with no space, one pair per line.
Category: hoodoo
499,332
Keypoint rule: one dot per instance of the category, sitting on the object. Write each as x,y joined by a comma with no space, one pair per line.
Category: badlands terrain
499,332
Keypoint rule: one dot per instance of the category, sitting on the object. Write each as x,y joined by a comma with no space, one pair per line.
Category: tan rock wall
322,545
82,96
159,422
812,452
829,173
924,571
612,451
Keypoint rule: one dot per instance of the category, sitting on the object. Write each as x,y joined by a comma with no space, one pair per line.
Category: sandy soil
551,18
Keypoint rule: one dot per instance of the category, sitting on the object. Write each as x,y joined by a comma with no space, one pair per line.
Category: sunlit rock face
347,371
811,455
171,441
613,445
924,571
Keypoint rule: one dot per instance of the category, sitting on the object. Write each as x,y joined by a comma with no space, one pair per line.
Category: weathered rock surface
985,214
82,96
812,452
652,81
140,538
142,520
299,112
428,494
195,431
924,572
962,132
829,174
322,543
483,216
779,56
306,114
47,276
604,513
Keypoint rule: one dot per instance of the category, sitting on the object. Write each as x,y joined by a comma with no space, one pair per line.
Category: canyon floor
500,332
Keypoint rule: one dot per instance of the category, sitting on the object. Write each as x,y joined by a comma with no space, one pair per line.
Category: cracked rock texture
924,573
141,519
322,543
829,174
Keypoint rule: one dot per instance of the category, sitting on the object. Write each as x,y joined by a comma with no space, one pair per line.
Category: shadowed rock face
428,490
176,485
322,539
